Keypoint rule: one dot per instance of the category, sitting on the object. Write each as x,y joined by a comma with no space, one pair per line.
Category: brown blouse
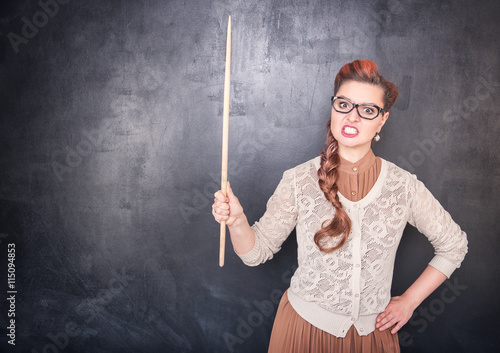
357,179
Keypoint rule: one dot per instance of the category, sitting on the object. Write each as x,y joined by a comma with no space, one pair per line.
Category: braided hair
364,71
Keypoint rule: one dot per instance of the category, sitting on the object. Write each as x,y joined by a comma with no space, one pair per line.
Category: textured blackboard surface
110,141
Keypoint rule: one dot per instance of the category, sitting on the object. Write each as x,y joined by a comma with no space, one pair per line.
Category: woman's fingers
398,327
221,210
397,313
220,214
384,323
220,196
221,204
230,193
227,208
220,207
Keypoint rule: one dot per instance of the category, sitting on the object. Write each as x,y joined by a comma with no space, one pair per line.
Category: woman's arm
258,243
228,208
400,309
450,247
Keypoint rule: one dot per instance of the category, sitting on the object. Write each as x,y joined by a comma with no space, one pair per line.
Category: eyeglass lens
365,111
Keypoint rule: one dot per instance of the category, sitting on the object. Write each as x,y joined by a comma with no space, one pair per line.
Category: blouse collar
361,166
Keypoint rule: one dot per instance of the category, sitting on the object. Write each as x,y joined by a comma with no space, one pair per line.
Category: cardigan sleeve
432,220
276,224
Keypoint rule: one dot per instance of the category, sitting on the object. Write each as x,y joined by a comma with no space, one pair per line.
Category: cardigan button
353,193
355,169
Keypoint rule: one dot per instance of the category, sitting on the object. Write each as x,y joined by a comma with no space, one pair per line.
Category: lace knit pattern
356,279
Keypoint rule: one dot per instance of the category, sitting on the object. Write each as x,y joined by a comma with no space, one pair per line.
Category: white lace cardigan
352,285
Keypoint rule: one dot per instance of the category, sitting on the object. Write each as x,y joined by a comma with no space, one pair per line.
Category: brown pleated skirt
292,334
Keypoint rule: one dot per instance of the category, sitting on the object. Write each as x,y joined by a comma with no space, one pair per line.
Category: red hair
366,71
340,226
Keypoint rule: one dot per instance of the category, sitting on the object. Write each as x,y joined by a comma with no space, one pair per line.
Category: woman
349,209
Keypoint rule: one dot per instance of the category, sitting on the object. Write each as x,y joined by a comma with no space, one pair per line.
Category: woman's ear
383,120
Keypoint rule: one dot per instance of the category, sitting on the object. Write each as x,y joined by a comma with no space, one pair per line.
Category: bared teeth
350,130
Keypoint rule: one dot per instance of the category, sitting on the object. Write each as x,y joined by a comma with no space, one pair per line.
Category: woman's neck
353,154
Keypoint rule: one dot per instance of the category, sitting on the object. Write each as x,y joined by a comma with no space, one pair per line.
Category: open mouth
349,131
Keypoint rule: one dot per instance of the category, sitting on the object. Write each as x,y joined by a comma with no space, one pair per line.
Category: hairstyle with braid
364,71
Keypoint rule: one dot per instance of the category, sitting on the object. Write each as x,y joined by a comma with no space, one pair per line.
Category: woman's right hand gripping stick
228,208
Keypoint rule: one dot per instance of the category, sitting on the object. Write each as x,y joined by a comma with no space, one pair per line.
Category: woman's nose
353,115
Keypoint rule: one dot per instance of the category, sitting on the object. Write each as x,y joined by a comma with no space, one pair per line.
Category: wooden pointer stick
225,136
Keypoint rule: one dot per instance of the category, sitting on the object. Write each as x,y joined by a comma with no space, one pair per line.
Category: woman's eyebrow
357,103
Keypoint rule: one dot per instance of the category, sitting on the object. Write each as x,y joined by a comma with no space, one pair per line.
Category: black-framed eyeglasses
366,110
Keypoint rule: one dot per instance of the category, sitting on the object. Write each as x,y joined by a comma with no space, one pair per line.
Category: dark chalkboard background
110,137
